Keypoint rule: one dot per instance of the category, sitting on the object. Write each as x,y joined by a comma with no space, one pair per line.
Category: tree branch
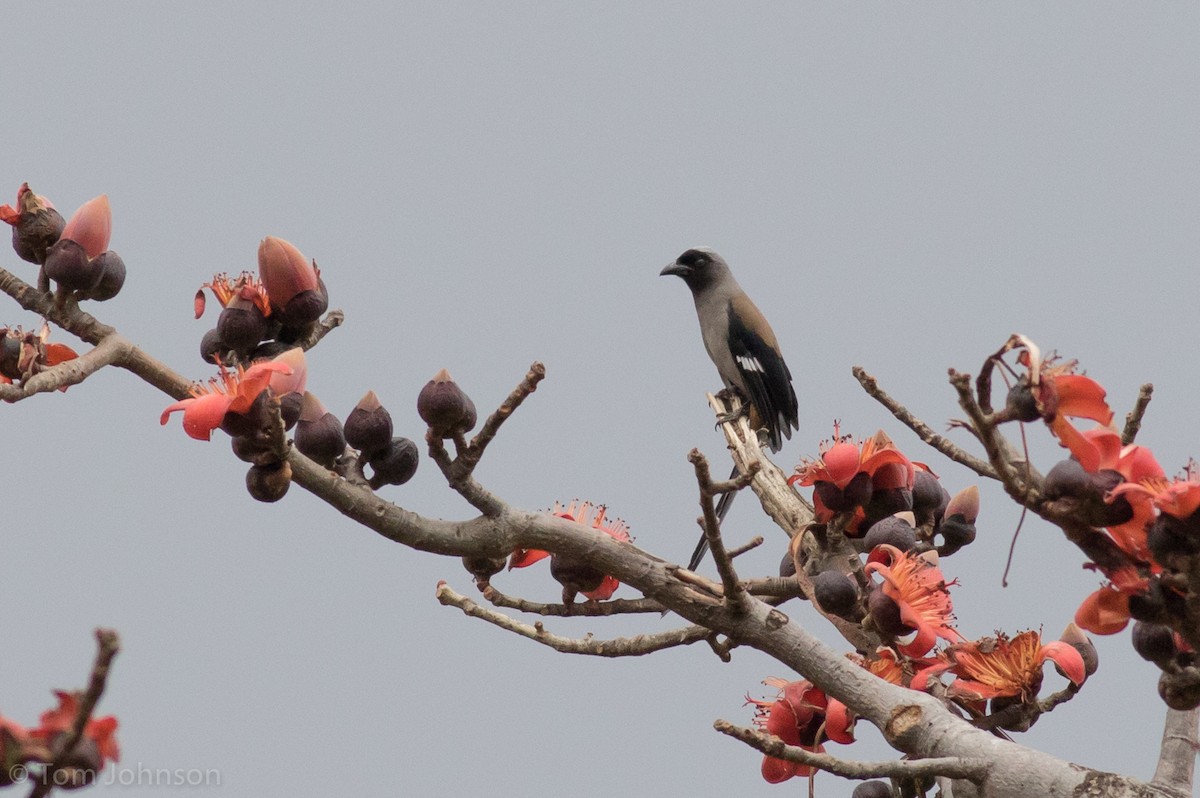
922,430
108,644
619,647
971,768
1177,756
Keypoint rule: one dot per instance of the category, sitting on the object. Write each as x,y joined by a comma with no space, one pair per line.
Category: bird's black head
699,267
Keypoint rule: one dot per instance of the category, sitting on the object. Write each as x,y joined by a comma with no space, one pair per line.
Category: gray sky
485,185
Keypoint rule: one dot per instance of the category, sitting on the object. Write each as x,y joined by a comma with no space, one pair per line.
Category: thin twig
71,372
922,430
734,593
474,451
1133,419
636,646
583,609
108,644
973,769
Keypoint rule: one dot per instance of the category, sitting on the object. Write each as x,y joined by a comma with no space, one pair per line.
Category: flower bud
369,426
895,530
444,407
395,464
885,613
575,575
293,283
484,568
269,483
290,407
835,593
110,276
872,789
929,498
241,325
36,225
319,435
1153,642
212,347
1180,691
91,226
1074,637
67,264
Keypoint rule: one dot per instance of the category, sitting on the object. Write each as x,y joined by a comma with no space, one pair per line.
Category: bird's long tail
722,508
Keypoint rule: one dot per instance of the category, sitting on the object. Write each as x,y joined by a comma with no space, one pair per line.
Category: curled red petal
1081,397
522,558
59,353
608,586
1104,612
1067,658
841,463
201,414
776,771
839,722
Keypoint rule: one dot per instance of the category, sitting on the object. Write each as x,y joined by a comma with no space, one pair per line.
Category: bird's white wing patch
748,363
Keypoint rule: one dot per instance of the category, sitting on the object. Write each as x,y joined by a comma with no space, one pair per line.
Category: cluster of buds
1121,492
576,575
20,747
74,254
323,438
24,354
264,315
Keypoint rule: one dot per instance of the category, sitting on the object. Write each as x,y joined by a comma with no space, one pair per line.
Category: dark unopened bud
67,264
787,566
254,449
1153,642
290,405
319,435
241,325
369,425
575,575
1156,604
444,407
885,613
36,227
256,417
484,568
929,498
1021,404
872,789
395,464
885,502
895,530
10,355
1180,690
841,500
835,592
269,483
211,347
110,276
1170,539
1068,480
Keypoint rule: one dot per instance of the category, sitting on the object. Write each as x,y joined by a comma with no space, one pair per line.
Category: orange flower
582,575
101,731
839,720
245,287
24,354
845,474
228,392
915,583
1055,391
1106,611
1178,498
992,667
797,717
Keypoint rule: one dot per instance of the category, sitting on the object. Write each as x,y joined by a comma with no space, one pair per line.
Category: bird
744,349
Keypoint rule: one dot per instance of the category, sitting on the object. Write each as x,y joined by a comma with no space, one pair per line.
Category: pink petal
91,226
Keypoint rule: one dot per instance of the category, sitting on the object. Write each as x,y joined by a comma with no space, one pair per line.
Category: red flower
797,717
582,513
24,354
1058,392
100,731
915,583
228,392
245,287
997,666
91,226
845,474
839,720
1106,611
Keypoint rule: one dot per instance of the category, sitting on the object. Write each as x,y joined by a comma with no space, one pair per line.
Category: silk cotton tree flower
797,717
24,354
97,747
1000,667
35,222
913,583
839,720
1052,391
845,474
574,574
80,260
228,392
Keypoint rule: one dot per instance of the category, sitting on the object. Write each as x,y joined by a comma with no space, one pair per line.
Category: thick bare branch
72,372
1177,756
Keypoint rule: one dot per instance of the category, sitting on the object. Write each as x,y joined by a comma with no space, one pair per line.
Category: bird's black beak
678,269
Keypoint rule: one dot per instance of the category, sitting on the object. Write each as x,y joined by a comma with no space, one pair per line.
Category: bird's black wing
763,371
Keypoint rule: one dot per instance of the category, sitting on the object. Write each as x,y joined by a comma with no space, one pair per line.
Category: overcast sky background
485,185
